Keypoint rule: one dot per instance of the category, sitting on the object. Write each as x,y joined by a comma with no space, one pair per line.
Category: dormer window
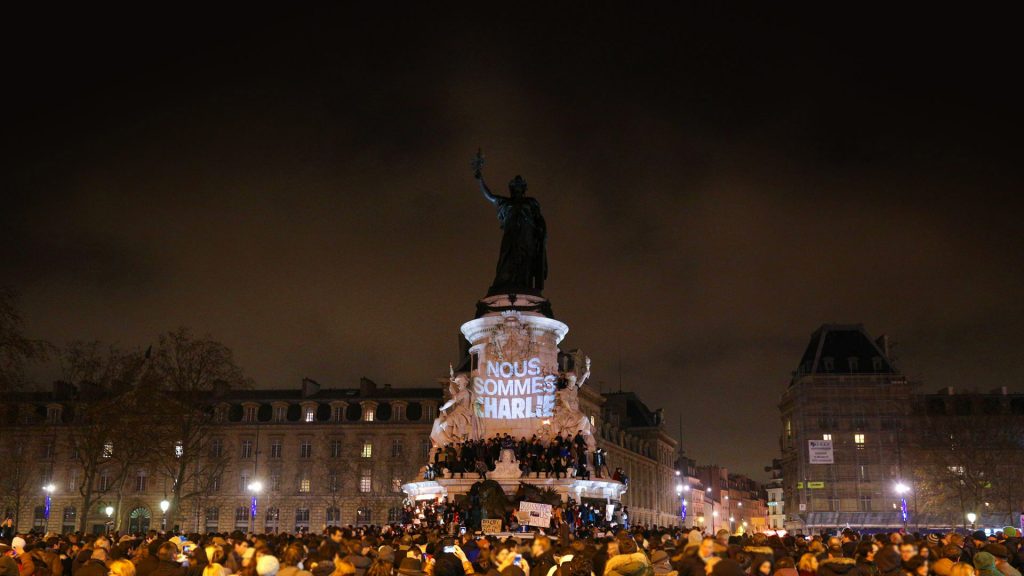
876,363
828,364
852,363
309,414
280,413
368,415
249,414
53,415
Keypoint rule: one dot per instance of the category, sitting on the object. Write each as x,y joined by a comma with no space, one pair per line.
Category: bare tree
16,349
105,375
189,371
960,463
15,482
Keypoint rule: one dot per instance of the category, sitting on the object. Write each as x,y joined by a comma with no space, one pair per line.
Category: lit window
310,414
368,415
366,481
367,450
108,450
179,450
396,484
858,439
304,485
826,436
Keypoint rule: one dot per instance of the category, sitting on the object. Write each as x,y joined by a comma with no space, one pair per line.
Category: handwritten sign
540,514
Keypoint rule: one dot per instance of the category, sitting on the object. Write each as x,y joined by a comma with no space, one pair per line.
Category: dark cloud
716,186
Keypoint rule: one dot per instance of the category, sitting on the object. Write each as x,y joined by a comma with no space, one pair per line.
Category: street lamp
971,517
49,488
109,510
164,505
255,487
714,516
682,502
902,490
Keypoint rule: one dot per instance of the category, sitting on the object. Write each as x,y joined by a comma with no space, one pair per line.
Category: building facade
862,448
849,400
288,460
776,504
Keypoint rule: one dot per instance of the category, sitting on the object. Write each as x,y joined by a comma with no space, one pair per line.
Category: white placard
540,514
820,451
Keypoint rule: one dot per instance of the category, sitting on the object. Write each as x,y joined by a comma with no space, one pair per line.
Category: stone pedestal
513,386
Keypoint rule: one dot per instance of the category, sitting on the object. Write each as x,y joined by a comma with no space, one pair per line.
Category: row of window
858,439
336,448
243,514
322,412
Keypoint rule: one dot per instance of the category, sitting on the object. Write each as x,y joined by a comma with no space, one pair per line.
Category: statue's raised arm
478,173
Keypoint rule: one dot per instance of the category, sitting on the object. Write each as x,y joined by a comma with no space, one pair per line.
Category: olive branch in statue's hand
478,163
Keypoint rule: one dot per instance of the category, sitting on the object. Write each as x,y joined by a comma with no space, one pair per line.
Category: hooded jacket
838,567
635,564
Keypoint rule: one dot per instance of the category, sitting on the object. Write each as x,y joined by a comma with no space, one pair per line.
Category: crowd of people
559,458
417,550
572,515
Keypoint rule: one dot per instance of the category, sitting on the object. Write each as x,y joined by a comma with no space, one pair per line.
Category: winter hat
658,556
984,561
267,565
694,537
979,535
17,542
933,539
1010,532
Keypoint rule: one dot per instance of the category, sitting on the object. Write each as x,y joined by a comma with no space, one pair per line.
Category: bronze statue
522,262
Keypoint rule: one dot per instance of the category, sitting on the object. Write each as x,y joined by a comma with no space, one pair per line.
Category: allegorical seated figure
568,420
457,419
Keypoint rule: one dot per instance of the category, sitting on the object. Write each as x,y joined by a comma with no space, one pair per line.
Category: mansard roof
845,349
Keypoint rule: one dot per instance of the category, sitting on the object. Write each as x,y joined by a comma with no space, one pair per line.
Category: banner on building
540,514
820,451
491,525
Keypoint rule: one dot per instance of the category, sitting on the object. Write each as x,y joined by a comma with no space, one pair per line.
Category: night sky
716,186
